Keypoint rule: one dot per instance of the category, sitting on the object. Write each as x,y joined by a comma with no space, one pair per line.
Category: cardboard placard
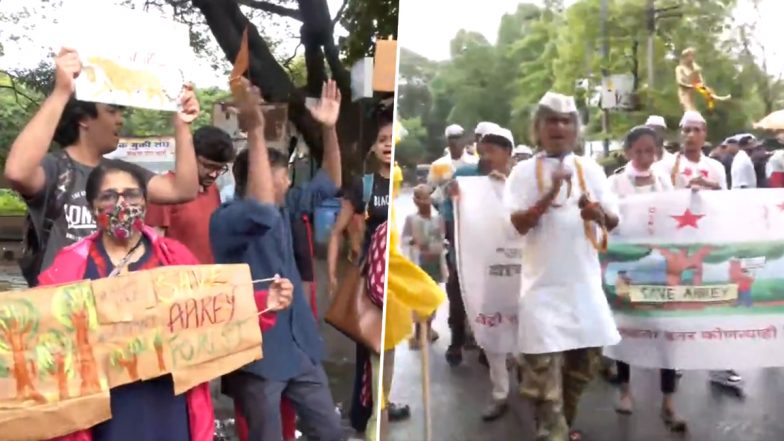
63,348
384,69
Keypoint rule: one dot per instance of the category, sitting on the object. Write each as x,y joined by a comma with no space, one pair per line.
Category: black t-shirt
377,207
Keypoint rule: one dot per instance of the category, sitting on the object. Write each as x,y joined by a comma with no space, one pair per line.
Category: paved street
459,394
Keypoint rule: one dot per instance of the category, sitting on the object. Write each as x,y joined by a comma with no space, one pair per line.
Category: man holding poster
563,207
53,184
490,294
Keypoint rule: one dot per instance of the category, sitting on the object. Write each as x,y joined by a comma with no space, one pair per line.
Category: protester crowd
92,217
552,196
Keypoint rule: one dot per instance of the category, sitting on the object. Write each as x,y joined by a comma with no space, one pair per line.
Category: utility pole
605,74
650,24
651,16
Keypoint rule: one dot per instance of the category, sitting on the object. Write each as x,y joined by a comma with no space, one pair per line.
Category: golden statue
688,74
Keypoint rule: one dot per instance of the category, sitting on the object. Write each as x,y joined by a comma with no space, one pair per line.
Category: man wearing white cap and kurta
495,147
690,168
563,206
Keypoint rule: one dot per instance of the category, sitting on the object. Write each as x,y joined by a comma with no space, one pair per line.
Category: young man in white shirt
563,207
742,171
690,168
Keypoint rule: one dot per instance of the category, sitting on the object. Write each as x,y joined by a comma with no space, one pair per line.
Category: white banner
696,280
489,254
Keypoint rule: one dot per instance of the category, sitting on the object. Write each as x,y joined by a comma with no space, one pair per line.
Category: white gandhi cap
558,103
453,131
484,127
691,118
501,132
656,121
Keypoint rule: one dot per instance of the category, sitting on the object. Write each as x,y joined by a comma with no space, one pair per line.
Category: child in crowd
424,233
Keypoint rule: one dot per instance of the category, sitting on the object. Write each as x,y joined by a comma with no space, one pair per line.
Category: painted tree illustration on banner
55,357
768,250
622,253
74,307
680,259
158,344
128,357
18,329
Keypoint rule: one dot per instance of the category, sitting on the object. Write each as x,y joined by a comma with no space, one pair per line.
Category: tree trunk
131,366
159,354
227,22
88,369
25,387
62,379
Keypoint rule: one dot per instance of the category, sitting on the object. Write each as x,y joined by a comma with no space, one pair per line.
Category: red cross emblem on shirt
687,172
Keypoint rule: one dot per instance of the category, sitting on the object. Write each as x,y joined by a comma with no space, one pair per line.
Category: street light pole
650,11
605,74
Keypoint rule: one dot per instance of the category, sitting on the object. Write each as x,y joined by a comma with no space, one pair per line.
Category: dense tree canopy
556,48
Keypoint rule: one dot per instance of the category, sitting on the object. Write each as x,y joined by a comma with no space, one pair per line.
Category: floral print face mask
122,220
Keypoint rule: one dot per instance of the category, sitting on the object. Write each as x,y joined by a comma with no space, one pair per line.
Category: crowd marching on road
563,208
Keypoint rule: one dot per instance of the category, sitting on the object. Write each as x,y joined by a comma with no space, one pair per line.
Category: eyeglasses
130,195
213,168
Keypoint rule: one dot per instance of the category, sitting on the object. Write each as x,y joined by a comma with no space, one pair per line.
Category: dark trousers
359,414
668,377
457,315
259,400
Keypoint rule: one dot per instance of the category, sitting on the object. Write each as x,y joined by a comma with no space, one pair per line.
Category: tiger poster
144,67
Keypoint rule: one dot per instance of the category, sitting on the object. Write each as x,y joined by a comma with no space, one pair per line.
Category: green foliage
555,48
364,20
72,302
143,122
625,253
18,319
11,204
768,290
412,149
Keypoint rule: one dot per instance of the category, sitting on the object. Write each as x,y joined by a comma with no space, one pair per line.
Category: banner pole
424,343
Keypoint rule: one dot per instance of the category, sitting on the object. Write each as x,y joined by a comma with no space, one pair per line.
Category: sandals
673,422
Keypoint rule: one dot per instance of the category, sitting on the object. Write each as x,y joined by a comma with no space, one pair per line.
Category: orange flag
241,63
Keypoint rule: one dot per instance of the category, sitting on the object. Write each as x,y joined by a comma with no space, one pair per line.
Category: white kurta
742,171
562,304
709,168
622,183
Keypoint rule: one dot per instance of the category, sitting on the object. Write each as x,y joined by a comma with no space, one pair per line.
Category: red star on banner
688,219
781,206
704,173
687,172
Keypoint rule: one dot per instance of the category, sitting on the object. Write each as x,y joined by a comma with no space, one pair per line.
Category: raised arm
23,165
260,186
326,112
183,186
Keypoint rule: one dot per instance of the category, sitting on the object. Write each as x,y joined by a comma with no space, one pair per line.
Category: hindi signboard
63,348
144,69
149,149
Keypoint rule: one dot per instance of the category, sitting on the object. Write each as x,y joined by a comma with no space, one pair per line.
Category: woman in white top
636,178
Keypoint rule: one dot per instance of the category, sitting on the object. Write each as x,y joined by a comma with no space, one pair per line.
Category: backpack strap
367,189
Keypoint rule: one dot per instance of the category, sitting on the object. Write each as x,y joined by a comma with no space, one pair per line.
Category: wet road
459,394
339,363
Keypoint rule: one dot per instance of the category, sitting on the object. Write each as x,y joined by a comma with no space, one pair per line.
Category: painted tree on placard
128,357
55,357
158,345
74,307
18,332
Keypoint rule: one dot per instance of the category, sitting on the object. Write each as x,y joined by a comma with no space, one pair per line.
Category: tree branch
17,93
272,8
339,14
